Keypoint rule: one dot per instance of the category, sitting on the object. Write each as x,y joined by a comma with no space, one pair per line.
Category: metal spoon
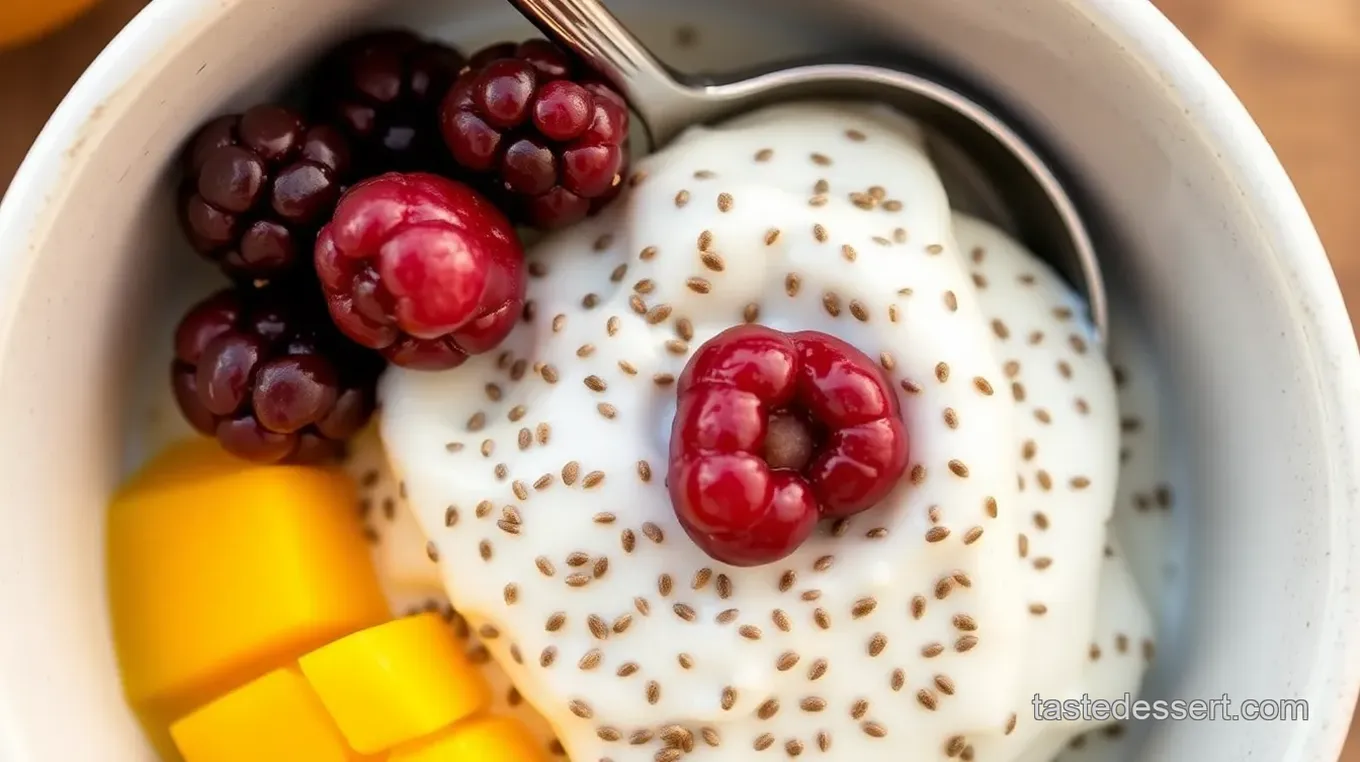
988,170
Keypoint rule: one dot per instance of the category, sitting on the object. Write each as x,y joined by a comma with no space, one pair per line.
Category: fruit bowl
1222,288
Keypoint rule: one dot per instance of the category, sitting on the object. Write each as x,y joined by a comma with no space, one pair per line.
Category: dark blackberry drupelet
257,187
384,89
265,371
550,138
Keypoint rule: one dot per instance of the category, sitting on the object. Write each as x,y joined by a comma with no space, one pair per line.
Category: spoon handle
588,29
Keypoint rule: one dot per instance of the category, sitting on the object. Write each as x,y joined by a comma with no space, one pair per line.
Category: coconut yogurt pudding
761,448
920,628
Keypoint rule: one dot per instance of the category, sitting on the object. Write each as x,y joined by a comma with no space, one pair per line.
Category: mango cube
490,739
396,682
221,570
276,718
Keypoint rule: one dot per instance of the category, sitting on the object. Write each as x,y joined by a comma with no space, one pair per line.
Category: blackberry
267,373
257,187
548,136
384,90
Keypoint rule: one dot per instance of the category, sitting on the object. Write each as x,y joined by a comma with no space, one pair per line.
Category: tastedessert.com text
1223,708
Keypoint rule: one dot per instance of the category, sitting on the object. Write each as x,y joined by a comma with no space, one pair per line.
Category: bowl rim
1330,683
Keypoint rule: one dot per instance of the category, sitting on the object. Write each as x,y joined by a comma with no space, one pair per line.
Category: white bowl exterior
1219,259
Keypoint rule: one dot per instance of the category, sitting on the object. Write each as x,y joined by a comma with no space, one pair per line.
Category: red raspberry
540,128
774,431
257,187
265,372
421,268
384,89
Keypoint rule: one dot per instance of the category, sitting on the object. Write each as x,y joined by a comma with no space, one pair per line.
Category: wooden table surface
1296,65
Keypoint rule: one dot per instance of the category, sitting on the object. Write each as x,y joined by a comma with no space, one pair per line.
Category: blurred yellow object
276,718
221,570
396,682
25,20
488,739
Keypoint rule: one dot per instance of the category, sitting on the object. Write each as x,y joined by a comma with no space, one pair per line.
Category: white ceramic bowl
1208,245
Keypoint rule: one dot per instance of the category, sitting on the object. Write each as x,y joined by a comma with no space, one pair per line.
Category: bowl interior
1195,264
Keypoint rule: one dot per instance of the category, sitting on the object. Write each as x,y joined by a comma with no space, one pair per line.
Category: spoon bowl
987,169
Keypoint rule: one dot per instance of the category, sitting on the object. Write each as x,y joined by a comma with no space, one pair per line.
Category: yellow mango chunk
489,739
276,718
221,570
396,682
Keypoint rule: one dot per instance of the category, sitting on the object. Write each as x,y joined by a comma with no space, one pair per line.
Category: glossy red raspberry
548,135
265,372
384,89
257,187
774,431
421,268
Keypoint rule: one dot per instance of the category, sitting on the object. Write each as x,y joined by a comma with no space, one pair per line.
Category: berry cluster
555,142
270,377
256,187
383,90
380,206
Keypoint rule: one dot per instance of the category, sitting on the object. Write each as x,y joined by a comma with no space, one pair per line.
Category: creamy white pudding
919,629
